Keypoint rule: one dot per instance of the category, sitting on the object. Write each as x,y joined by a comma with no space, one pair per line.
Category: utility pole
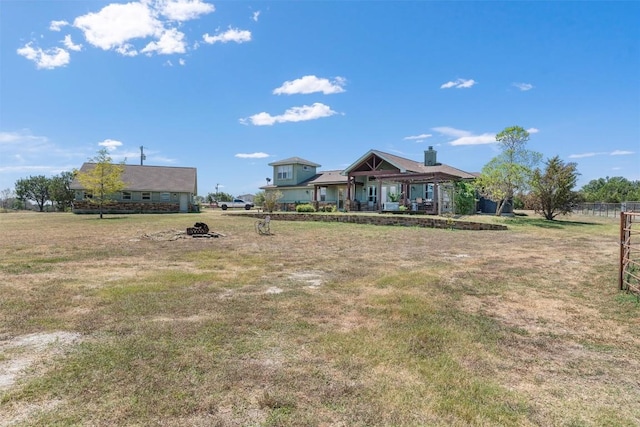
142,156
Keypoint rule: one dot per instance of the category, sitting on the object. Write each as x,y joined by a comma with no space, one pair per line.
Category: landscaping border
398,220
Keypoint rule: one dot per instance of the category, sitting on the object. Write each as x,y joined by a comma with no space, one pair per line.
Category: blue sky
229,87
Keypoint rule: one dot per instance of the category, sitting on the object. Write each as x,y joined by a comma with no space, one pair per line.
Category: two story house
377,181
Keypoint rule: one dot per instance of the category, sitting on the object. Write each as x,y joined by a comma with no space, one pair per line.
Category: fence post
621,263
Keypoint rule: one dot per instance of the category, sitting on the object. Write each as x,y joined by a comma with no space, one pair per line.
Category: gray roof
329,177
296,161
409,166
153,178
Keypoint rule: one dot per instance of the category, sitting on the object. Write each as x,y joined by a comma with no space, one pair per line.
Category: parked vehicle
236,203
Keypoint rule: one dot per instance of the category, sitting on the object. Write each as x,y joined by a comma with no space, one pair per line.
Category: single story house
148,189
377,181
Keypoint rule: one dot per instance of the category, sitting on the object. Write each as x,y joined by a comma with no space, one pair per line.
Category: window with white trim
429,192
146,195
285,172
126,195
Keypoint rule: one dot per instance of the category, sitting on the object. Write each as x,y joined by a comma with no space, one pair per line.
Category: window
372,194
429,192
146,195
323,194
165,197
126,195
285,172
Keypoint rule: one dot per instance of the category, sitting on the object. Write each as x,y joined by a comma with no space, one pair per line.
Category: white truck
236,203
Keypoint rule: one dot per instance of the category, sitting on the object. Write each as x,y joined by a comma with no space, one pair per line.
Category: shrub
305,208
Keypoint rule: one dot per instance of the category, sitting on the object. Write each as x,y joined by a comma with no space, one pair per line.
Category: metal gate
629,278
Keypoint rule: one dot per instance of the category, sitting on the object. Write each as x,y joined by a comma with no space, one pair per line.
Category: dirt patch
23,357
22,353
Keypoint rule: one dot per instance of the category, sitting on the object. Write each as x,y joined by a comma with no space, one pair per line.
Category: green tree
552,189
465,198
511,170
34,188
219,197
102,180
60,191
258,200
611,190
271,200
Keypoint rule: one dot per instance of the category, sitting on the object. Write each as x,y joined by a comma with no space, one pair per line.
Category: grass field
126,321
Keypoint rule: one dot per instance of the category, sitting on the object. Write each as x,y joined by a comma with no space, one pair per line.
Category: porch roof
405,169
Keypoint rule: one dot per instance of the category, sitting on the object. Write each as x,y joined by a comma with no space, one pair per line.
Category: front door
184,203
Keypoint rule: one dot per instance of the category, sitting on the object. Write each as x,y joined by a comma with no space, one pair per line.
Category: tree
552,189
60,191
611,190
102,181
465,198
5,197
219,197
259,198
35,188
271,200
511,170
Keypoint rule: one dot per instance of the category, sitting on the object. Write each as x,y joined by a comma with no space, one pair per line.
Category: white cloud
49,59
459,84
523,86
311,84
133,27
171,41
252,155
231,35
449,131
621,153
184,10
255,16
601,153
20,137
485,138
127,49
294,114
182,62
582,155
418,137
114,25
110,144
464,137
57,25
68,43
533,130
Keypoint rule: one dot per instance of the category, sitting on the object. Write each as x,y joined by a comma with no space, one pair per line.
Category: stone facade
84,207
399,220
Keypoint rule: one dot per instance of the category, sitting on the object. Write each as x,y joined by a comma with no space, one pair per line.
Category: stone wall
84,207
399,220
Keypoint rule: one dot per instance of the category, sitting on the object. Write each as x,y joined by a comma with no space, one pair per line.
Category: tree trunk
500,207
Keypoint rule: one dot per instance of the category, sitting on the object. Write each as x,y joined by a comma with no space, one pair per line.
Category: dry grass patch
319,324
